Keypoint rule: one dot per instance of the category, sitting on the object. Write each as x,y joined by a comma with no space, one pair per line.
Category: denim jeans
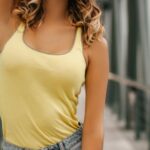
72,142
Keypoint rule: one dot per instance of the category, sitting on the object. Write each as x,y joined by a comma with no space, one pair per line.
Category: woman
49,49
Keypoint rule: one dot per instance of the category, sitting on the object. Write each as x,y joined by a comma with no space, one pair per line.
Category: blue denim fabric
72,142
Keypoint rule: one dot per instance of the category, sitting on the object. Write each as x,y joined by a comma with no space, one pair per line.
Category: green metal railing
137,106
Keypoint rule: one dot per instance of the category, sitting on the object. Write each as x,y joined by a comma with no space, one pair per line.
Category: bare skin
7,22
56,29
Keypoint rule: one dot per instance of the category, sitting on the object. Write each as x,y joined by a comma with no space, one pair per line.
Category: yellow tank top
39,92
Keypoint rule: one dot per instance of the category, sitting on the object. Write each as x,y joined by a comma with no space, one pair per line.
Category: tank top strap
21,27
78,40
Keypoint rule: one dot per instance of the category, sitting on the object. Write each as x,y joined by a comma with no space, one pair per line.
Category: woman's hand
96,87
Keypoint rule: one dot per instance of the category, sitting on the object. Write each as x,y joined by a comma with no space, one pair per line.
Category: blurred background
127,119
127,113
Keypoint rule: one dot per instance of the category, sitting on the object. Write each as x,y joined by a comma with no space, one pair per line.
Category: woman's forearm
92,140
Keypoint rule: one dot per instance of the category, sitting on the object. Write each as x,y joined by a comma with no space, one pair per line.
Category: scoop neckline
44,53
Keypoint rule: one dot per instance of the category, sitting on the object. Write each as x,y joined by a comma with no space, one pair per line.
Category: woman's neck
55,11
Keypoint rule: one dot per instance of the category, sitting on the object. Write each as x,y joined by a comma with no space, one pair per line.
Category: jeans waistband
59,145
68,141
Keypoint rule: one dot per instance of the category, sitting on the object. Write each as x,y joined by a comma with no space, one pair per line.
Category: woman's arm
96,87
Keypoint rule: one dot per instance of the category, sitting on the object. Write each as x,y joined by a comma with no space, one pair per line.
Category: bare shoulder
99,46
14,21
6,9
98,50
7,29
8,19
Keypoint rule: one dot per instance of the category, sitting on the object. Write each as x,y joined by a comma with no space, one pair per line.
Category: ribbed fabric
39,92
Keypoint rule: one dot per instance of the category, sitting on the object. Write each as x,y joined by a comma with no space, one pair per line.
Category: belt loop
80,123
61,146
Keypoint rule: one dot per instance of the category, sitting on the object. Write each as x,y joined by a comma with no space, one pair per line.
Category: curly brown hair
83,13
